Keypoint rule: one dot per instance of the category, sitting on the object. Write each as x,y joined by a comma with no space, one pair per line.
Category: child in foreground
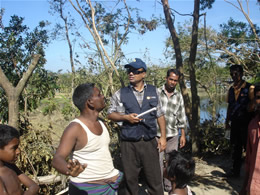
11,177
180,172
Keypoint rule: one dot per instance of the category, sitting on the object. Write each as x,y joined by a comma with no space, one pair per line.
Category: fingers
161,144
75,168
133,118
182,142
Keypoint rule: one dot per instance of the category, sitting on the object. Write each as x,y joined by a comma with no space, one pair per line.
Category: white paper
146,112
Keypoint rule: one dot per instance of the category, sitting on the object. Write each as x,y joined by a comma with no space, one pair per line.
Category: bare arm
33,187
182,138
162,126
67,143
117,117
227,125
2,188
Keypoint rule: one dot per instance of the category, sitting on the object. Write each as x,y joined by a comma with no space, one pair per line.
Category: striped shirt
174,110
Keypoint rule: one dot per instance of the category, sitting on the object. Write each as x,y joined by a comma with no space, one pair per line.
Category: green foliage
17,46
61,103
149,25
212,140
42,84
238,32
238,38
206,4
36,154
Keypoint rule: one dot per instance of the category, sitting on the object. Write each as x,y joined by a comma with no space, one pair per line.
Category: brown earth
209,179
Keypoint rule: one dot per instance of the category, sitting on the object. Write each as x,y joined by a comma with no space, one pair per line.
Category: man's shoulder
4,171
74,127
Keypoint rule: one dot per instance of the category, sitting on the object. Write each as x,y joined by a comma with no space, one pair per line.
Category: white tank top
96,155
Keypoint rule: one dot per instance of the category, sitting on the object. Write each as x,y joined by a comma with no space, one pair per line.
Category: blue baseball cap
136,63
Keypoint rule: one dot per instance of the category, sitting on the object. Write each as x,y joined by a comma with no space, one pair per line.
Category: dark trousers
73,190
238,141
138,155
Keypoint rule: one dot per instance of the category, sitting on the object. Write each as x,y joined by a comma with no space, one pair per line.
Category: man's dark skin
75,138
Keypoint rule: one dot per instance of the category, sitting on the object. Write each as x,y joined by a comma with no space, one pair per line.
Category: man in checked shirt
173,106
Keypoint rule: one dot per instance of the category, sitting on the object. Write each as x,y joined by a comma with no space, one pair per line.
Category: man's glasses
134,71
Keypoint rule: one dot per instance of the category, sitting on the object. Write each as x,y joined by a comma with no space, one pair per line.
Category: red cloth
253,156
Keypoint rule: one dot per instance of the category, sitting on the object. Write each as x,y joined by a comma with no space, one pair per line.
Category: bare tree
192,109
246,14
87,13
59,7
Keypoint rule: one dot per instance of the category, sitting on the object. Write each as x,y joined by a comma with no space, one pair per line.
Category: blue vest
146,129
238,109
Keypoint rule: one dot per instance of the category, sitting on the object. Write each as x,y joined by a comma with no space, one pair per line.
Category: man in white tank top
86,141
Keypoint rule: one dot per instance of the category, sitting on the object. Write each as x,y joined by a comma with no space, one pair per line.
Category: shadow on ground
210,177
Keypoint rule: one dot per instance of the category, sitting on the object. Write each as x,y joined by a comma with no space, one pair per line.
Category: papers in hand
146,112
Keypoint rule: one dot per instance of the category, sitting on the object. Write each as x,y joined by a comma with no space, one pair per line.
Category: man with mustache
139,147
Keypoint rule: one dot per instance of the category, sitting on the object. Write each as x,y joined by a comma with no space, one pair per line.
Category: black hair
257,88
236,67
7,133
81,94
180,168
175,71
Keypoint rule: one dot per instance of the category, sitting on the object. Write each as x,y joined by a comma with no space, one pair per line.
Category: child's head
180,170
9,141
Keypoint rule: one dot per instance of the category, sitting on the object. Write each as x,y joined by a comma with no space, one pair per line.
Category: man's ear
89,103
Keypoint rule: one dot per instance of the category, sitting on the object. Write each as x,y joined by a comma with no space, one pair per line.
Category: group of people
144,113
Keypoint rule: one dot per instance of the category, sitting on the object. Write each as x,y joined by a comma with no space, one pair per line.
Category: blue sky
152,42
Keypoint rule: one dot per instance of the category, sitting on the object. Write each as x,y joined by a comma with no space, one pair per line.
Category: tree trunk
70,51
179,61
192,112
13,93
13,109
194,92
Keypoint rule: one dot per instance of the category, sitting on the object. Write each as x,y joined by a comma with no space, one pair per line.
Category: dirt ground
209,179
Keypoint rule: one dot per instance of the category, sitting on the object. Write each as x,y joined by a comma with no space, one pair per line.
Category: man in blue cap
139,148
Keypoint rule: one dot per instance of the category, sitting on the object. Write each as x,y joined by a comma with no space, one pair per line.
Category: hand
182,141
162,144
75,168
131,118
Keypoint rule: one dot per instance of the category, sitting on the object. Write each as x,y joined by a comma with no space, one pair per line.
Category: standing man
252,179
240,95
86,140
173,107
139,147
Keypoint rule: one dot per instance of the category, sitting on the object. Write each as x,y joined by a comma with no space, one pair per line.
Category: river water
206,107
